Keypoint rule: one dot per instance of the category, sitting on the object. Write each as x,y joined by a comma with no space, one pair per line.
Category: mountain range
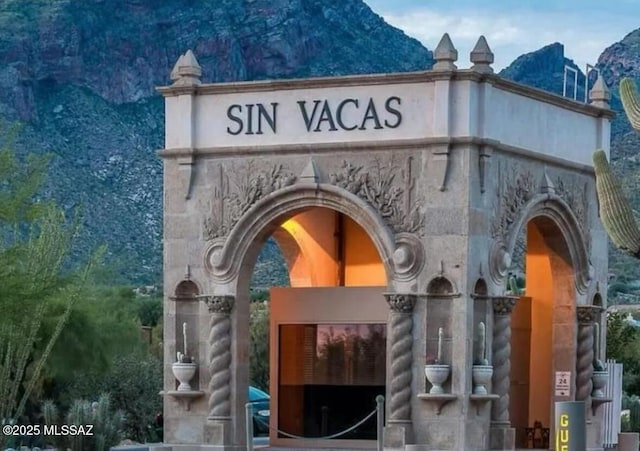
80,77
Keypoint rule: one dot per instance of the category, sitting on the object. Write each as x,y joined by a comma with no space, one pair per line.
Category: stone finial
445,54
186,71
482,57
600,94
546,185
310,173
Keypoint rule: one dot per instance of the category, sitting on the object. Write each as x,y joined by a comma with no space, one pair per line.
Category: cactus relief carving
514,189
381,185
238,188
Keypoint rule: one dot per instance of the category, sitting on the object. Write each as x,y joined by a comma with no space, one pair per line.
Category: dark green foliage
99,328
631,422
107,425
133,382
259,345
149,310
623,345
37,291
259,295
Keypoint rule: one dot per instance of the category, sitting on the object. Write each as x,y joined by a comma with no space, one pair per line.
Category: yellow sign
562,433
570,430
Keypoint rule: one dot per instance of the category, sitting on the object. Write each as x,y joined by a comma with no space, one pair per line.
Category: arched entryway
328,330
548,276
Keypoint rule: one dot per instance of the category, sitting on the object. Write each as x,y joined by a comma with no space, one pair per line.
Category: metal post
249,421
380,423
324,424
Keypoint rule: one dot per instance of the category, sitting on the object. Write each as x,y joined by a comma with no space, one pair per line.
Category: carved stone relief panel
575,193
237,187
515,187
388,186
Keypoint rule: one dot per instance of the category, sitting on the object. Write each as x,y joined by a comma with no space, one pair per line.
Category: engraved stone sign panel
320,115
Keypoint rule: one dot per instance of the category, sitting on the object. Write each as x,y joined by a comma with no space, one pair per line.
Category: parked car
260,406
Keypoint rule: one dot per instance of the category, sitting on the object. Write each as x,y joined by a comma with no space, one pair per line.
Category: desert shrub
107,423
133,382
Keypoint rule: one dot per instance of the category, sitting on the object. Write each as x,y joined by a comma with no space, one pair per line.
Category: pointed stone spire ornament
546,185
482,57
174,72
310,173
186,71
600,94
445,54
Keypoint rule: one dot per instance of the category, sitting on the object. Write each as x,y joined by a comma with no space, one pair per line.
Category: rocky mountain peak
544,69
122,49
621,59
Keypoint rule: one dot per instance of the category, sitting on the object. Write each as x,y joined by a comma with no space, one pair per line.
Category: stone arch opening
480,288
186,290
226,260
439,286
543,322
335,304
597,300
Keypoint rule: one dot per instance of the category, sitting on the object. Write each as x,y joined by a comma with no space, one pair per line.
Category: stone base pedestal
502,437
397,435
218,432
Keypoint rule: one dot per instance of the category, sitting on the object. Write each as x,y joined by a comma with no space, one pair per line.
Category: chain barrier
326,437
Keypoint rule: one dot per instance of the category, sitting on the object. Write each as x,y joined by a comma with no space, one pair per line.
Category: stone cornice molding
387,79
219,304
401,303
369,146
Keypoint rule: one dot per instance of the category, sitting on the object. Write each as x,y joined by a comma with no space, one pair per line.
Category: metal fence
613,409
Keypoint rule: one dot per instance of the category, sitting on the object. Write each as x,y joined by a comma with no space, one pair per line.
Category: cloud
511,33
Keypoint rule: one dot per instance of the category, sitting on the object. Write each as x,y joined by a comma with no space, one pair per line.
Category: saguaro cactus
615,210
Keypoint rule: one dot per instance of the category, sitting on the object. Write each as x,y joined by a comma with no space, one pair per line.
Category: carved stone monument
393,198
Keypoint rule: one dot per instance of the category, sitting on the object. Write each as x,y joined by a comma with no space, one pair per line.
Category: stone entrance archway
440,169
330,251
543,330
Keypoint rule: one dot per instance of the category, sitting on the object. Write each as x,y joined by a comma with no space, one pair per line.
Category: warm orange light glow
315,261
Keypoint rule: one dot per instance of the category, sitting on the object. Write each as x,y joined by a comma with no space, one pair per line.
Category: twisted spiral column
587,316
401,340
219,355
501,381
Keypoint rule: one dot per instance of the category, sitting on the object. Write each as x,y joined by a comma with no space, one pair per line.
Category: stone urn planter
481,375
599,379
184,372
437,374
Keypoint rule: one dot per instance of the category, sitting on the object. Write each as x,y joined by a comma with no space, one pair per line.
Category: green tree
35,240
623,345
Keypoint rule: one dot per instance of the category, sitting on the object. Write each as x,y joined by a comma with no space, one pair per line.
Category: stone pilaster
219,356
401,364
587,317
502,435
